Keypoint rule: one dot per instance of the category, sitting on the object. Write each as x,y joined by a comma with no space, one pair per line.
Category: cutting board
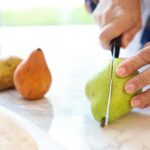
42,139
131,132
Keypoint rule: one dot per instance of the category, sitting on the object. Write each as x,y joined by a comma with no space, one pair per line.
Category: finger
142,100
111,31
128,66
129,35
138,82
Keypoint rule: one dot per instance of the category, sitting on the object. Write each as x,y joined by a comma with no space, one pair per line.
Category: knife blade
115,50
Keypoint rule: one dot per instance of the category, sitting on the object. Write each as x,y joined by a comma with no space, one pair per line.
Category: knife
115,50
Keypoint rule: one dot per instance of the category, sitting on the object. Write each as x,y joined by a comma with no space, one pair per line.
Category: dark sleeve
91,5
146,33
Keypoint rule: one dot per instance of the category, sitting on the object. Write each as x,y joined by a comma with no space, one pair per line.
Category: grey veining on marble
39,112
77,132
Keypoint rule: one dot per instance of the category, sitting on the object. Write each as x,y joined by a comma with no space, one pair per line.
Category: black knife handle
115,47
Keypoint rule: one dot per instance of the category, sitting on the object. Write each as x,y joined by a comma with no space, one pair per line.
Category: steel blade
110,92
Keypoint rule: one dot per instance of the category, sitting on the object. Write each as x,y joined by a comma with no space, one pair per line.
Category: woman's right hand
127,67
118,17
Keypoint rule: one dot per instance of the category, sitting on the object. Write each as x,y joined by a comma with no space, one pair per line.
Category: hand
118,17
127,67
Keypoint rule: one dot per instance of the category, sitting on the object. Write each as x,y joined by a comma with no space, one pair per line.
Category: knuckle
141,81
128,17
145,99
104,40
147,95
103,43
102,36
144,55
131,16
133,63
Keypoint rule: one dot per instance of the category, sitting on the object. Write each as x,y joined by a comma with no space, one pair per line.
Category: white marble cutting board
131,132
43,141
82,132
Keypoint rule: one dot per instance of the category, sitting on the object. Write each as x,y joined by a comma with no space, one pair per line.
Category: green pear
97,90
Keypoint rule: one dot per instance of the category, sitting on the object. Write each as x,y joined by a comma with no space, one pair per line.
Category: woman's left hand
127,67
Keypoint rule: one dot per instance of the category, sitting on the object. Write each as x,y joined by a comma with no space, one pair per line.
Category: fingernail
135,103
130,88
121,71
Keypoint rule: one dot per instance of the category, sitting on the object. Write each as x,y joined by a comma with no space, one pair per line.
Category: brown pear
32,78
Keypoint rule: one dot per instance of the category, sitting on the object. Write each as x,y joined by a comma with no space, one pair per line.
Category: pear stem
39,49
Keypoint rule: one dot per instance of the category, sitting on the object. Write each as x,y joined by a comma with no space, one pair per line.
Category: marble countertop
72,53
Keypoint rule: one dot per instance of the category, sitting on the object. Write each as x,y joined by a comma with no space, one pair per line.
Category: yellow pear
7,68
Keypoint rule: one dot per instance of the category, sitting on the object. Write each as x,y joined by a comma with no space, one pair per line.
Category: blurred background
43,12
50,24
